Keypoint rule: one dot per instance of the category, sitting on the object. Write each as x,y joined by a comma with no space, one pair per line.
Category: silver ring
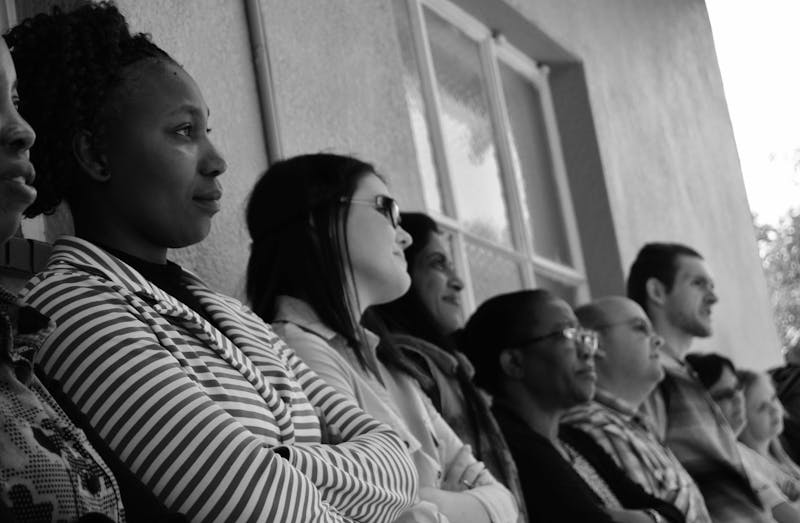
468,484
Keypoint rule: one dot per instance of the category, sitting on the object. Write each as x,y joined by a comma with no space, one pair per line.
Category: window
488,154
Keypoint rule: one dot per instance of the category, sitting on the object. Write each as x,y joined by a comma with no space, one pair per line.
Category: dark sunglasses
383,204
727,394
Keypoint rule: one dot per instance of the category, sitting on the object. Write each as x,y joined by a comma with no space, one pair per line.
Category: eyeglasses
383,204
636,324
585,337
728,393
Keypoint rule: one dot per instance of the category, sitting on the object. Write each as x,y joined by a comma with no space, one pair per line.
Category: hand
791,490
629,516
465,472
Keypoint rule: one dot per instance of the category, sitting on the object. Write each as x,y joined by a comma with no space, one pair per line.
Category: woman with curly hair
327,244
200,407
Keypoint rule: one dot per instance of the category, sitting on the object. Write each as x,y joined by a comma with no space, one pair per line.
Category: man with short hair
628,370
672,284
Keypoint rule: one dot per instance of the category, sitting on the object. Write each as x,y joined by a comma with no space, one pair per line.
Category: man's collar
615,403
669,360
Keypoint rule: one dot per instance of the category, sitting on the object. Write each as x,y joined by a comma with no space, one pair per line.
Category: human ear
655,291
93,164
511,363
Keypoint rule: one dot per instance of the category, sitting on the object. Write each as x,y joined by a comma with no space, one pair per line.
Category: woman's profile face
16,138
161,165
375,246
437,285
763,410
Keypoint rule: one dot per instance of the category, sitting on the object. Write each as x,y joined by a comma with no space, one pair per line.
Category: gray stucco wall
668,152
336,73
666,147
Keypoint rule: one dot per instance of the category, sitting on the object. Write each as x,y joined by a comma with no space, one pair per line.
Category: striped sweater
217,420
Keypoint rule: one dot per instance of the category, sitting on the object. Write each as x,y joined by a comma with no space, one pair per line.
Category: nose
656,341
402,237
585,349
711,296
213,163
454,281
16,135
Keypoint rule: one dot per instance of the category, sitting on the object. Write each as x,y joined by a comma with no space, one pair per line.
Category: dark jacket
554,491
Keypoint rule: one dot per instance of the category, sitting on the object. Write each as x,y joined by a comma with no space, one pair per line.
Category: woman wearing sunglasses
199,408
326,244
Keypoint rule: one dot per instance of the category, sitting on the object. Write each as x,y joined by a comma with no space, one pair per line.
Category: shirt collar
293,310
614,403
671,362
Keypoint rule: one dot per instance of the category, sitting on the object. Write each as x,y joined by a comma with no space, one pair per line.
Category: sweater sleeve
195,456
495,498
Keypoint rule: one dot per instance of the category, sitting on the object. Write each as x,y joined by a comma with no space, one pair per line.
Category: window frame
493,49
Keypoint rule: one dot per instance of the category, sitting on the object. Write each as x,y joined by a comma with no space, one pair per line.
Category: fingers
456,468
472,475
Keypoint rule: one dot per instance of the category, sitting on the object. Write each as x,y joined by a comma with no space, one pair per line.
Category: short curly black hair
68,64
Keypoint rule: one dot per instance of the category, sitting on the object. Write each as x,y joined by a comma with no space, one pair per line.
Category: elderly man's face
628,344
557,371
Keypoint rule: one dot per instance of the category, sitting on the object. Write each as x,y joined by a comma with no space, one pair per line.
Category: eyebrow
191,109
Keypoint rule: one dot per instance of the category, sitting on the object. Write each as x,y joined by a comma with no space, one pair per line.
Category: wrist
654,515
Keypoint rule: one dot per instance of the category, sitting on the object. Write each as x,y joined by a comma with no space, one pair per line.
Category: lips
452,299
208,200
22,170
17,178
587,372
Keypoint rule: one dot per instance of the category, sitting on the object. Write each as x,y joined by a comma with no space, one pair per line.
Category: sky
758,49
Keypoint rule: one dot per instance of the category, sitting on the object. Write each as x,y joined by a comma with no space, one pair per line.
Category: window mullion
433,112
562,183
509,169
560,171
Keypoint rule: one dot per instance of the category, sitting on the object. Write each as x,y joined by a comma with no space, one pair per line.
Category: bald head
606,310
627,362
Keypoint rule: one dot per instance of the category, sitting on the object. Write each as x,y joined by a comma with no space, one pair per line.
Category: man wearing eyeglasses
628,369
532,355
672,284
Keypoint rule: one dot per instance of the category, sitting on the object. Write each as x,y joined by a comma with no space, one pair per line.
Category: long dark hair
408,314
295,216
69,65
709,367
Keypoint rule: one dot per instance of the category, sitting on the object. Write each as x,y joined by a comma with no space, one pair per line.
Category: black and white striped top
217,420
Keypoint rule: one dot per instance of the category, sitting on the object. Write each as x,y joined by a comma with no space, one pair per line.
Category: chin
701,330
192,237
